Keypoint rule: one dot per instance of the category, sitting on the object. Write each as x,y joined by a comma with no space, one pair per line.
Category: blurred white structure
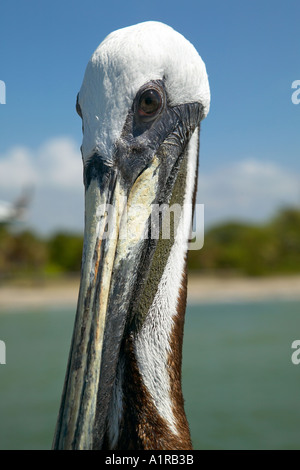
14,212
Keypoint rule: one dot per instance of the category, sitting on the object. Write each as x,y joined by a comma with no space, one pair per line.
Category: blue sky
249,157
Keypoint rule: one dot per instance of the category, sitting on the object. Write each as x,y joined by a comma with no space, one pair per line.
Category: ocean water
241,389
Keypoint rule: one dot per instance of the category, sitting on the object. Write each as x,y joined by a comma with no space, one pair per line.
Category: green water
241,389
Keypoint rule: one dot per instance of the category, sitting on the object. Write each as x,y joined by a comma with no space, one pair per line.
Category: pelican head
144,93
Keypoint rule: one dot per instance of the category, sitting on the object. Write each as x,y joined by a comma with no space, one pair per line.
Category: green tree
65,251
249,249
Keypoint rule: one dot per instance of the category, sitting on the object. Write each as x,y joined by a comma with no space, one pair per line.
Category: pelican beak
116,228
117,259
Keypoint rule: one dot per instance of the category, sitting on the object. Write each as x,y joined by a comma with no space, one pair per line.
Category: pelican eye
150,103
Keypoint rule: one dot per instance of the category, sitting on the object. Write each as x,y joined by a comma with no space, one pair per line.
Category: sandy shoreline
200,290
243,289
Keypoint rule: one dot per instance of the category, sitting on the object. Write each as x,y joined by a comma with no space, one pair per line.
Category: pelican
144,93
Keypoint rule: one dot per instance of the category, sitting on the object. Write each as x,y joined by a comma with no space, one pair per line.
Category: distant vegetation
26,255
229,248
253,250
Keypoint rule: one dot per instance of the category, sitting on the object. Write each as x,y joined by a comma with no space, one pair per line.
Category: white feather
126,60
152,345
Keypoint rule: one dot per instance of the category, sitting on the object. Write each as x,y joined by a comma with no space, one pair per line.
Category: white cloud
57,163
54,171
60,164
248,189
17,168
